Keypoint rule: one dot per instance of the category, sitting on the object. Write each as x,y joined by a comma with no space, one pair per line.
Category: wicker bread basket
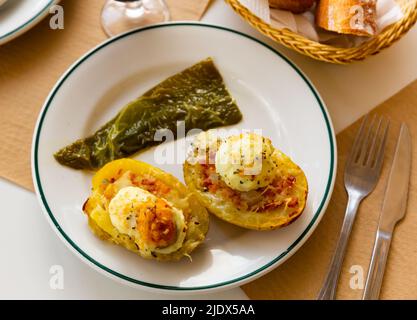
329,53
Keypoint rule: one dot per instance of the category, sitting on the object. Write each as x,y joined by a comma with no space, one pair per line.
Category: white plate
272,94
18,16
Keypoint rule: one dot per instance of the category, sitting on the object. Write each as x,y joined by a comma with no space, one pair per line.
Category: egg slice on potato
146,210
245,162
244,180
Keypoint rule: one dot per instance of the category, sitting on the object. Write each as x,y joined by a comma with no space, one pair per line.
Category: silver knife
393,210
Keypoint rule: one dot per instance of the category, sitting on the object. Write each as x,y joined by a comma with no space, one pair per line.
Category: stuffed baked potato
244,180
146,210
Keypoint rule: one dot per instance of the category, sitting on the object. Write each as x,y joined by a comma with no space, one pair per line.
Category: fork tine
365,145
381,150
371,155
358,139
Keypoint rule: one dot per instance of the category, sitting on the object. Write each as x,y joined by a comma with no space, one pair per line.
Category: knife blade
396,194
393,210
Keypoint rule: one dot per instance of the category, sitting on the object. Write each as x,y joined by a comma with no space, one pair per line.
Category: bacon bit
148,181
228,193
293,202
293,213
269,202
204,166
152,185
132,176
207,182
278,186
270,192
232,195
282,184
212,188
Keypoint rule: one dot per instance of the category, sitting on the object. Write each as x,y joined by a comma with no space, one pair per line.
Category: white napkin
388,12
259,7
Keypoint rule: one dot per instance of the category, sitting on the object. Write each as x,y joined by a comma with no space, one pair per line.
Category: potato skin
195,215
226,210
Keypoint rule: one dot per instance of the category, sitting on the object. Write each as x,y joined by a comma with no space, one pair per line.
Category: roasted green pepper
197,96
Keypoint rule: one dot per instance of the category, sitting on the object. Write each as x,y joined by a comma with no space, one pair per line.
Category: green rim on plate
158,286
27,23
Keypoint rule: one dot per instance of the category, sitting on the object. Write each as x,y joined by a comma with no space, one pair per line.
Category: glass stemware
119,16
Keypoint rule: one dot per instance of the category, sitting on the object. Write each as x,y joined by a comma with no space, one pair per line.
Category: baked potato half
145,210
272,198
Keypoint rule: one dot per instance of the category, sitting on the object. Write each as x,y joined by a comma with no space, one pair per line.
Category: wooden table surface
30,66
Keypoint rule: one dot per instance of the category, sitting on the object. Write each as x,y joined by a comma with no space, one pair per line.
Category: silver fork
363,168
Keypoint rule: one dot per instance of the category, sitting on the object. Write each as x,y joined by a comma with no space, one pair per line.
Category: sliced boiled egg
153,223
245,162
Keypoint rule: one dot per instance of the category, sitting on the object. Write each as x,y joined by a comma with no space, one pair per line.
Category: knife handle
377,266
